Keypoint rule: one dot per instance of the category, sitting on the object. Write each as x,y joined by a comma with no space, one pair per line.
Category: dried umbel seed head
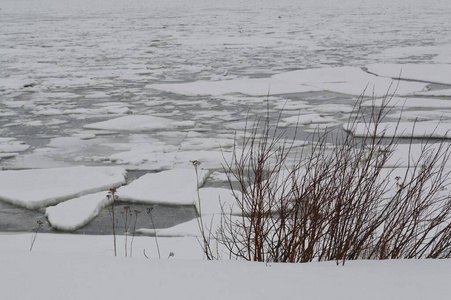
40,222
137,212
126,208
195,163
149,209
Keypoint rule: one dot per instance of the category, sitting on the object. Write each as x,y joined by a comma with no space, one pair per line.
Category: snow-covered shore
83,267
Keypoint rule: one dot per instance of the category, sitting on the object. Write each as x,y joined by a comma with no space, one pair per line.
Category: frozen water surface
99,83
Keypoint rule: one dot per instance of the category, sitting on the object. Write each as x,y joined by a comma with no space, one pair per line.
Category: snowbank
33,189
51,274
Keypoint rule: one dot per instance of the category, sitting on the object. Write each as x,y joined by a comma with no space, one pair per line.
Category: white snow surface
83,267
438,73
33,189
173,187
76,213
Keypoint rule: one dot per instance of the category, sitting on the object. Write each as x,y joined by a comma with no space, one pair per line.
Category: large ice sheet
139,123
33,189
436,93
405,155
216,201
252,87
439,73
173,187
409,102
440,53
345,80
76,213
427,129
351,81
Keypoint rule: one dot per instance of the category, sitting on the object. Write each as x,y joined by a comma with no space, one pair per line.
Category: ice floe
173,187
430,115
216,201
254,87
307,119
345,80
139,123
405,155
76,213
409,102
438,73
436,93
427,129
8,145
38,188
439,53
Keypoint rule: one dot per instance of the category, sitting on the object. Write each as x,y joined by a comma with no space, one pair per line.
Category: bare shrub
336,202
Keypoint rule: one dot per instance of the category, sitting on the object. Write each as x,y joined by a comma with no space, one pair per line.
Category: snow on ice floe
17,82
306,119
216,201
173,187
190,228
38,188
427,129
436,93
76,213
345,80
211,223
405,155
252,87
431,115
409,102
139,123
440,53
438,73
11,145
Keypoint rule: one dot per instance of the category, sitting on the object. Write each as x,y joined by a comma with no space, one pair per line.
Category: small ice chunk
76,213
8,145
37,188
